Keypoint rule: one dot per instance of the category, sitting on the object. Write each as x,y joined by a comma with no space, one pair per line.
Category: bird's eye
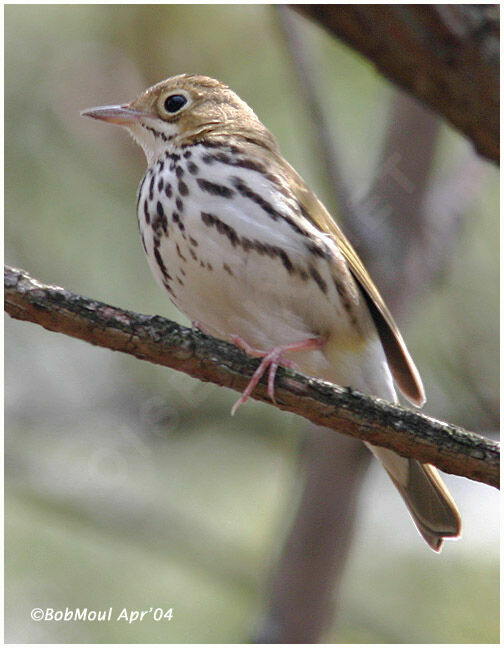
174,103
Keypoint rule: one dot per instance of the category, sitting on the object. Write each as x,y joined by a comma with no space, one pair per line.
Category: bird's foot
196,324
271,360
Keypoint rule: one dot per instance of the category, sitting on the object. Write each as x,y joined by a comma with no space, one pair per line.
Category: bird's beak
122,115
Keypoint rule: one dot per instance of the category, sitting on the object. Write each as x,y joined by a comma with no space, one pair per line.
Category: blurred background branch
405,226
445,55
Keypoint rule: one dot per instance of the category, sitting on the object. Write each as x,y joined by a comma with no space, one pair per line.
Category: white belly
232,266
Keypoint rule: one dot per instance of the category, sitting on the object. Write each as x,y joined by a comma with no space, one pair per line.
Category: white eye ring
173,102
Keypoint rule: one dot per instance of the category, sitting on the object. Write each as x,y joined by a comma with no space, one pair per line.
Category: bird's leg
196,324
271,360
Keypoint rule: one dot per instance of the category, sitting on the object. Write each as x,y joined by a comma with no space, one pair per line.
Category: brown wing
401,364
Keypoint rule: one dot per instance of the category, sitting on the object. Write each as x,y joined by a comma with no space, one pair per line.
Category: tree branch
163,342
445,55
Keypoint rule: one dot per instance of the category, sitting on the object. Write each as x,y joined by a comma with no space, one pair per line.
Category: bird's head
185,109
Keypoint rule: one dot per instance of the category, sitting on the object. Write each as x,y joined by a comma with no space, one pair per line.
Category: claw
271,360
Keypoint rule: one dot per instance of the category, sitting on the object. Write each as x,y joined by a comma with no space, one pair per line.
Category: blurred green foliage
130,486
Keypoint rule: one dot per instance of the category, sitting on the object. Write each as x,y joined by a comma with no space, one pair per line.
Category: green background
128,485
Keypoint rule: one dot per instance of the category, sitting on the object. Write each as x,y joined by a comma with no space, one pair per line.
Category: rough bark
445,55
163,342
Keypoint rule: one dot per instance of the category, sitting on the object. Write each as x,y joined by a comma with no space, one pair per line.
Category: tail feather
428,500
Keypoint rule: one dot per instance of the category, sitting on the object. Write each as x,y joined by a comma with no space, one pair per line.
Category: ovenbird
246,250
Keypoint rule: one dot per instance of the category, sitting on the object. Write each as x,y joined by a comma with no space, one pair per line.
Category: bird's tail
428,500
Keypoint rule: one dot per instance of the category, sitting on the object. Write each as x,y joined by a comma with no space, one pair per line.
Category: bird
246,250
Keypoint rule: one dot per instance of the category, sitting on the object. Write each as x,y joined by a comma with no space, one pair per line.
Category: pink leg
272,360
201,327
